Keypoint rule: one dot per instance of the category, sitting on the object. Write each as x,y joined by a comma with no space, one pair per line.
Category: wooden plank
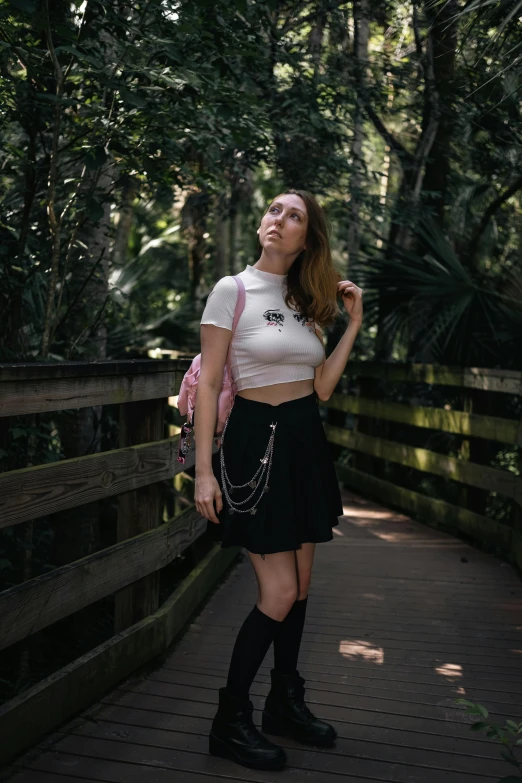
460,422
136,764
433,511
128,708
138,511
188,752
405,639
435,719
506,381
32,492
395,748
482,476
48,394
398,665
405,682
176,684
27,718
42,601
36,371
516,516
42,776
324,644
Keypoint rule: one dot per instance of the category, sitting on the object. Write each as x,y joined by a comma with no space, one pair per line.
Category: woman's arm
214,346
328,374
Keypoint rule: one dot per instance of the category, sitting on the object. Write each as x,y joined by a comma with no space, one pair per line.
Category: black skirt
303,501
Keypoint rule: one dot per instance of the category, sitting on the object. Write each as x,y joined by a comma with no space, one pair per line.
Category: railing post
516,509
139,510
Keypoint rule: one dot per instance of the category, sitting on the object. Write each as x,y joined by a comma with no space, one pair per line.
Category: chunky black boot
234,736
286,713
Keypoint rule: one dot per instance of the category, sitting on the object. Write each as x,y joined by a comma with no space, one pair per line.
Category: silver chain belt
254,482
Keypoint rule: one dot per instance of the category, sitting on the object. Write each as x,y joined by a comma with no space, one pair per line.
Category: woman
279,495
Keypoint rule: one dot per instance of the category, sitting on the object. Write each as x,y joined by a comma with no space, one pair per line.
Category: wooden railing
504,536
130,568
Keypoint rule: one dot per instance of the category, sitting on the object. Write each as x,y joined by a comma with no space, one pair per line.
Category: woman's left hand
352,299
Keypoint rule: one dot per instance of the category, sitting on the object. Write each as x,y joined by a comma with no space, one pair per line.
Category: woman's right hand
206,491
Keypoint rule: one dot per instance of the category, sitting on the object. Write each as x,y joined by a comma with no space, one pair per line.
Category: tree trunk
361,19
220,239
234,230
443,36
125,221
442,43
194,222
411,189
77,535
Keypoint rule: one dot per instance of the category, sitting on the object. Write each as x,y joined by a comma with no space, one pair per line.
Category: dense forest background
142,141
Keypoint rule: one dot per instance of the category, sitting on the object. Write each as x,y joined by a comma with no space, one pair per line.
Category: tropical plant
443,310
509,735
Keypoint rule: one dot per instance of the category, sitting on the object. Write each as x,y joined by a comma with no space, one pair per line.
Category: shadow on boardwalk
401,620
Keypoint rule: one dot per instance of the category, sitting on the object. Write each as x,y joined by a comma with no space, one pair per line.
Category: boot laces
297,698
247,724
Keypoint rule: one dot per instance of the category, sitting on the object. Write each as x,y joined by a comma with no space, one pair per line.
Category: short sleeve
221,304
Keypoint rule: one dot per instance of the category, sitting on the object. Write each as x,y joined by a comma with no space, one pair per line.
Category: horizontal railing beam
481,476
41,394
56,371
508,381
31,715
42,601
30,493
458,422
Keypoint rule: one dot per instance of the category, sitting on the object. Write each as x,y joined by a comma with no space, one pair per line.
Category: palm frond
448,311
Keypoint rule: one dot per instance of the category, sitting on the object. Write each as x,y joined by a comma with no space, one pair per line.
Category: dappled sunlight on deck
450,670
360,649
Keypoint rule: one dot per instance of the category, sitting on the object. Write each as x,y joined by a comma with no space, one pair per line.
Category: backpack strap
240,304
240,301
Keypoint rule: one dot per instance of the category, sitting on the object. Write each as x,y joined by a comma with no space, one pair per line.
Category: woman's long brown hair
312,278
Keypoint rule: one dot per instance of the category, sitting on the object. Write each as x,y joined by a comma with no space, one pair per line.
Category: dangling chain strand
254,482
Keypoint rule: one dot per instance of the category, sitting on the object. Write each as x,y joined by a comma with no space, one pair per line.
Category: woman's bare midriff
279,392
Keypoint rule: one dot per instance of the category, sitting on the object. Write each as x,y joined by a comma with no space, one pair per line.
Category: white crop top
272,343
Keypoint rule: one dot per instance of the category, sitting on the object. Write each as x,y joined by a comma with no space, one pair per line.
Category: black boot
234,736
286,713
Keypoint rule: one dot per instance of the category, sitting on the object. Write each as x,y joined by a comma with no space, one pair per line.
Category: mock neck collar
269,277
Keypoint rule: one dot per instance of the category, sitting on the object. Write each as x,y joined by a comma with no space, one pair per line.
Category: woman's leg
277,591
285,711
287,640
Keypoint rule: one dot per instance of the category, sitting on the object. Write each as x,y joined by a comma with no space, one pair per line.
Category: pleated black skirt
303,501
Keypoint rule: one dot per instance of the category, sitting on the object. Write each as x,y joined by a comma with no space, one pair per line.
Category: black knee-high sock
287,640
251,646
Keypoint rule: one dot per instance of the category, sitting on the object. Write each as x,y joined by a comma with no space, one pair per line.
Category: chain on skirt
277,477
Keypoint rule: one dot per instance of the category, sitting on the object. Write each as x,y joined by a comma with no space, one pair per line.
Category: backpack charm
185,440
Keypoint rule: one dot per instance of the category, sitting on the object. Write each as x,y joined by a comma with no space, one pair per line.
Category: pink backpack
189,387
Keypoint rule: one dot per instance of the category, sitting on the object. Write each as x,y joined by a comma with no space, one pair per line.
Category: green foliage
162,95
509,735
469,317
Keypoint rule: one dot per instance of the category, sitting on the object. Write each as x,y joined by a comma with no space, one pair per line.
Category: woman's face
284,225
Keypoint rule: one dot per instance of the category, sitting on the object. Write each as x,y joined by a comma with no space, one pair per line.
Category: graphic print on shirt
304,321
274,317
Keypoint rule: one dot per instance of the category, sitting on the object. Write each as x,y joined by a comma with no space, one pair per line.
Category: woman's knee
276,601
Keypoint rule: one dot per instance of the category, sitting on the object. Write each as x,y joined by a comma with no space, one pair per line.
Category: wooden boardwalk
402,619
